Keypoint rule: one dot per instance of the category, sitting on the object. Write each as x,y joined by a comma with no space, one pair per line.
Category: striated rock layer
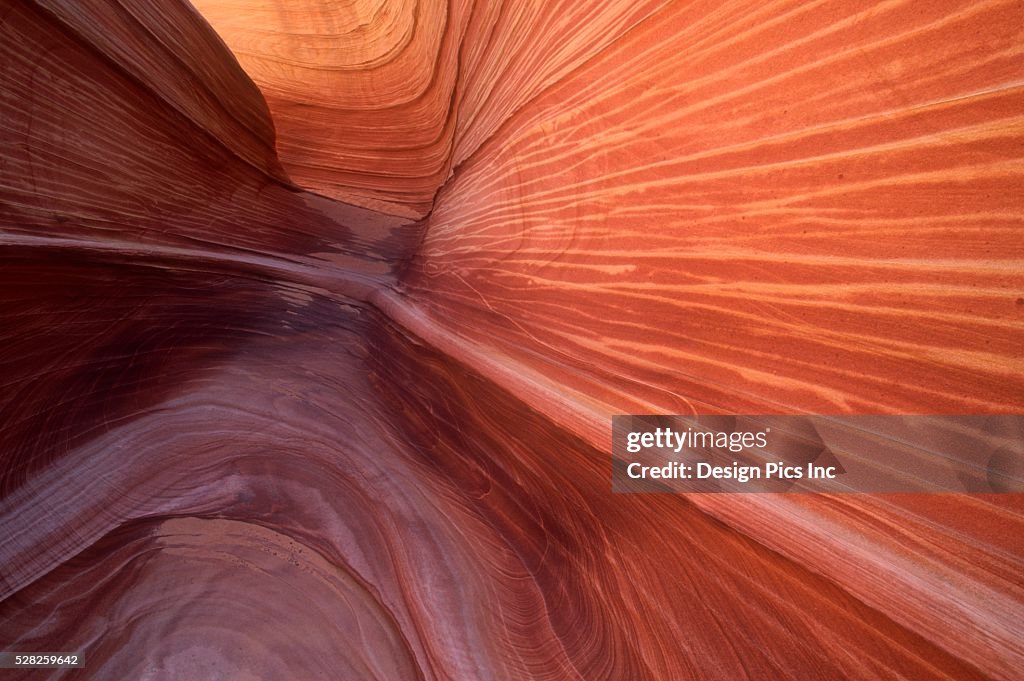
336,403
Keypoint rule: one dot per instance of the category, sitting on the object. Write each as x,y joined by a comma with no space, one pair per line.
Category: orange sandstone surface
314,316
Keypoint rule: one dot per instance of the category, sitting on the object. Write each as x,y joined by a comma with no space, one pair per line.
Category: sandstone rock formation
314,317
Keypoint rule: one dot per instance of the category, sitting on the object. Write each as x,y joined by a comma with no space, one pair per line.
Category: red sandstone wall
253,430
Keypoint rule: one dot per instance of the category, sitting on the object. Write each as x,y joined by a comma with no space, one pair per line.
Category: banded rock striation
312,333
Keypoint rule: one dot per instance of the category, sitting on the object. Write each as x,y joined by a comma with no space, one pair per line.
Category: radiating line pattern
309,348
784,214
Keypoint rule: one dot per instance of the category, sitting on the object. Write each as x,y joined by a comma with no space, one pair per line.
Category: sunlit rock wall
376,103
309,357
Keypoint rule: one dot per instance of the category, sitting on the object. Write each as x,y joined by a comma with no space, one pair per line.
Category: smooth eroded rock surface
312,328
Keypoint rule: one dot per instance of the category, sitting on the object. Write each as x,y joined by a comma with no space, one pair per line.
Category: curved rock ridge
376,102
311,333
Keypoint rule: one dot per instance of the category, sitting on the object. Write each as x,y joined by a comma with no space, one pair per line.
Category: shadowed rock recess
314,316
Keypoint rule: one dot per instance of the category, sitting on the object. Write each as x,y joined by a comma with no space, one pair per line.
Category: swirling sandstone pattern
336,404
